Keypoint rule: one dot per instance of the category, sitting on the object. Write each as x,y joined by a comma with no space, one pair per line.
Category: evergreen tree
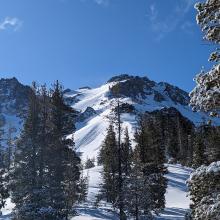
126,154
83,188
137,190
62,161
4,191
189,159
10,148
204,187
118,123
116,119
2,151
204,182
45,180
213,143
205,95
4,194
90,163
154,164
45,107
3,177
150,158
199,156
112,184
109,158
25,176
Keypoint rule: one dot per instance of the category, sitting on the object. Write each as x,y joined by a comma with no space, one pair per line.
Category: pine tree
204,182
62,161
25,179
213,143
82,188
10,148
189,160
2,151
155,164
109,159
205,192
90,163
151,154
116,119
113,185
45,106
205,95
45,180
126,154
4,192
137,190
120,173
199,156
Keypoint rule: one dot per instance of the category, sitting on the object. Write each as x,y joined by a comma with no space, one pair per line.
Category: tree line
44,178
204,182
133,178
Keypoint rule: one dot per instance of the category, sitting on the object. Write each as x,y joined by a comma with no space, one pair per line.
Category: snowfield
91,132
89,137
177,201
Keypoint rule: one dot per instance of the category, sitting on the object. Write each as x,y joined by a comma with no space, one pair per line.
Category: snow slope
177,201
91,132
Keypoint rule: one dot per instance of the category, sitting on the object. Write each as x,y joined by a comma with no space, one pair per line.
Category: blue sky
85,42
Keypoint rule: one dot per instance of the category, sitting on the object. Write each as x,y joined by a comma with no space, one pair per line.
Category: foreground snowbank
177,202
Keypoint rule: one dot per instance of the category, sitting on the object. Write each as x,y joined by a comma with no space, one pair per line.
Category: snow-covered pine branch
205,192
206,95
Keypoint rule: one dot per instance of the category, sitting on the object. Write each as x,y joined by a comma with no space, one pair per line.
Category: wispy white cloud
10,22
153,13
102,2
175,17
98,2
187,27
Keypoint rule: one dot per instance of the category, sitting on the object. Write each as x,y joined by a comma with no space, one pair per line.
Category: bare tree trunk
120,185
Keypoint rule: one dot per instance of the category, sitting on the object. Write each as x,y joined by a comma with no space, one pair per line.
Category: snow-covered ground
89,137
7,210
177,201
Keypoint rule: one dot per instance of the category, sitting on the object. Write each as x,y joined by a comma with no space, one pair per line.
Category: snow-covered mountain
13,105
94,105
138,94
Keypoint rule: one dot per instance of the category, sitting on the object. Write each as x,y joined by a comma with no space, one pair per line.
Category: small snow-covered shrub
204,187
90,163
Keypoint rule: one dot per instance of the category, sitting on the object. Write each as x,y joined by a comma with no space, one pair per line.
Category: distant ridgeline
13,106
139,88
166,103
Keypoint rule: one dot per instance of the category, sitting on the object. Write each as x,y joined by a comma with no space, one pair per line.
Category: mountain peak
120,78
9,80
